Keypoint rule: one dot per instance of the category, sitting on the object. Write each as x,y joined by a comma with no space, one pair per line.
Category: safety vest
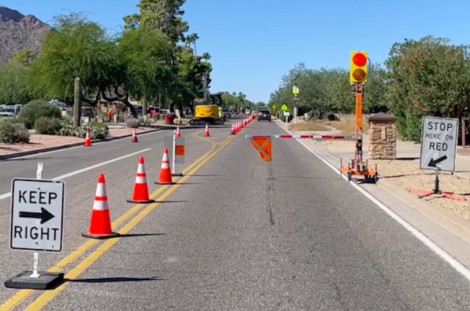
221,114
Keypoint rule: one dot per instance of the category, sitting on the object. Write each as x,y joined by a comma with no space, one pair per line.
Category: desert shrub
97,130
12,132
143,121
36,109
47,126
133,123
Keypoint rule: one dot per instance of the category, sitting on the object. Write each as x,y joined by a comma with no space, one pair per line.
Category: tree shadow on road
114,280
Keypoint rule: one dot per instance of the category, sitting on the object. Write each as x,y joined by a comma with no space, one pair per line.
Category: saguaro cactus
77,103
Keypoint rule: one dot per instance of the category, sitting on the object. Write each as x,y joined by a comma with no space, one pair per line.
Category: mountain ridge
19,32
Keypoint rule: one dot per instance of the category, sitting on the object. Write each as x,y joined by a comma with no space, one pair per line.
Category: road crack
270,194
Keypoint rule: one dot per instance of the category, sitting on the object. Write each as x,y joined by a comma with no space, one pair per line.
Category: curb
443,218
43,150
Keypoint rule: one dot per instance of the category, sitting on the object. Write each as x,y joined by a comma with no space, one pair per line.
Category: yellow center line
45,298
69,259
206,139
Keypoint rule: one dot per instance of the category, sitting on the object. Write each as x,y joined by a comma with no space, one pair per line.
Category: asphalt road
242,234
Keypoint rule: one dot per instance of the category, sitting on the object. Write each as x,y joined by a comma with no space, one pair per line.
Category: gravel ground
407,175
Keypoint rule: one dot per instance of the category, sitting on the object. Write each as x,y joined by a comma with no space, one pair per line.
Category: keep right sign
439,143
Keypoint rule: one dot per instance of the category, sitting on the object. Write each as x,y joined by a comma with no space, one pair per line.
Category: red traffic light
359,59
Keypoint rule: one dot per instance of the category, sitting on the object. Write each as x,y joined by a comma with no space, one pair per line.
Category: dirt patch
38,141
308,126
119,132
347,125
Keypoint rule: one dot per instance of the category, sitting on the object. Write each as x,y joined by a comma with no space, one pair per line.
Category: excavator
205,110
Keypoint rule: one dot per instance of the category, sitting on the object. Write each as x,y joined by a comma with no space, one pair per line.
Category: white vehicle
247,111
7,110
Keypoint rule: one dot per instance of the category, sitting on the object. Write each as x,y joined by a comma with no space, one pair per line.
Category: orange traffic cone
233,129
100,223
141,190
178,135
87,139
165,172
134,136
206,134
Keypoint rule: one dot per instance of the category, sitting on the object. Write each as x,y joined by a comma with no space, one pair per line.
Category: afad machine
358,77
205,112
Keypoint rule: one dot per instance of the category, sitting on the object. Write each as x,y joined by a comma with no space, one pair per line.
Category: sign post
176,151
37,210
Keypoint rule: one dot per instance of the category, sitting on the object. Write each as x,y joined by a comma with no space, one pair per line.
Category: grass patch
309,126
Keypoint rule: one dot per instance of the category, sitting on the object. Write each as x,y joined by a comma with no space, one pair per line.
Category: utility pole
295,92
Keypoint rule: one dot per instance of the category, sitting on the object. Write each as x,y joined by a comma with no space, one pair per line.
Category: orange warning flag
262,144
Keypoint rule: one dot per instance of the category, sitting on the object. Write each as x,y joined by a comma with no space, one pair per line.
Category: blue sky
254,43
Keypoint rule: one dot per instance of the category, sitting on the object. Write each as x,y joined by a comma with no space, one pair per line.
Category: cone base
45,281
100,236
177,174
135,141
164,183
141,201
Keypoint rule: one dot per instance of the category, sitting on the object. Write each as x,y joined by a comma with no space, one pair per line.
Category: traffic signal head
358,71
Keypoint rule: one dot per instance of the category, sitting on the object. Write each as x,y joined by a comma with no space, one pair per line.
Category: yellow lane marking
21,295
207,139
45,298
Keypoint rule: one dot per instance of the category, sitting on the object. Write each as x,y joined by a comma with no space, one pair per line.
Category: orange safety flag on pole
262,144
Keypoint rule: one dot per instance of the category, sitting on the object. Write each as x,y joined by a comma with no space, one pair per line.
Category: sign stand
436,191
173,160
36,279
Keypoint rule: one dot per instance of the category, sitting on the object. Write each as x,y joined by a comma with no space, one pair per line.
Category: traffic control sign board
284,108
262,144
439,143
37,214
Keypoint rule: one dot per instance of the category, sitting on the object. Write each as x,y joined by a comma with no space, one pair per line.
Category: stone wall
382,141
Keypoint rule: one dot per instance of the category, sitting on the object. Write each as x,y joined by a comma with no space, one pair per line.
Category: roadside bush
97,130
143,121
133,123
12,132
36,109
47,126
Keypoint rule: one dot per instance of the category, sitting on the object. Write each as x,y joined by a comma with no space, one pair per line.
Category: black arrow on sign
44,215
433,162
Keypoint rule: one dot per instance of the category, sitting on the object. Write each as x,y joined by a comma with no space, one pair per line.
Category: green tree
427,77
76,48
165,15
146,55
24,57
14,87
